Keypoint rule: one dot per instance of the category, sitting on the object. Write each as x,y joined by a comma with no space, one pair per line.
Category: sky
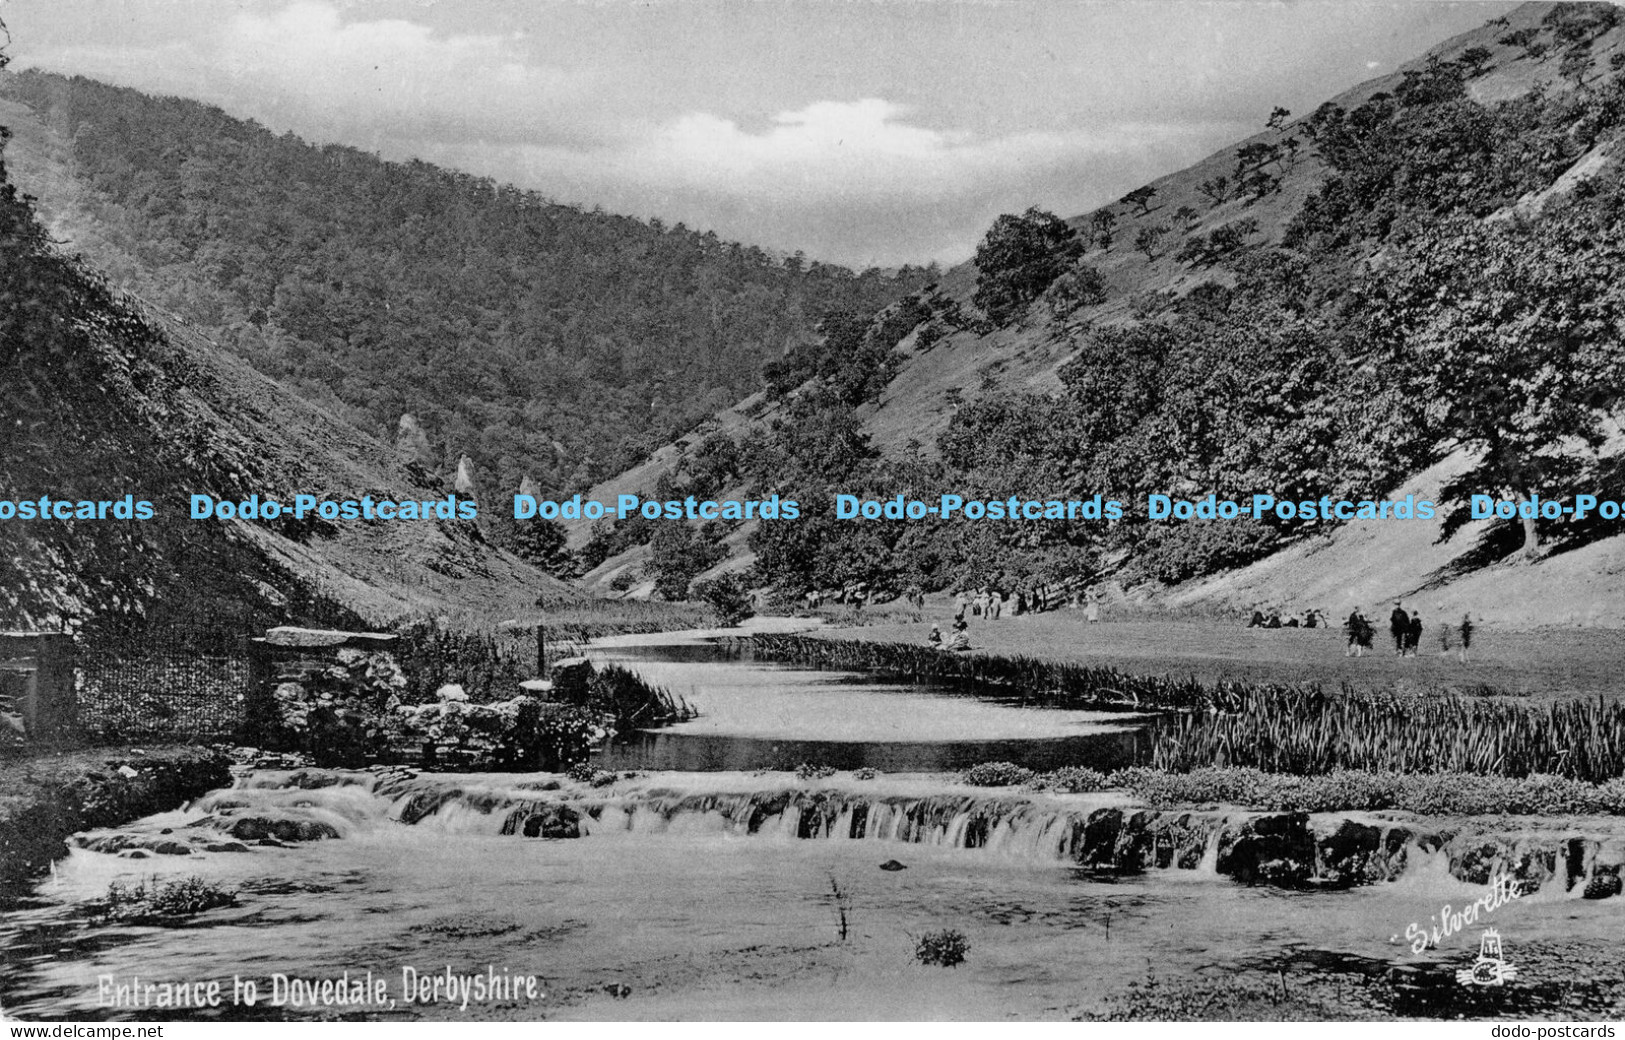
864,132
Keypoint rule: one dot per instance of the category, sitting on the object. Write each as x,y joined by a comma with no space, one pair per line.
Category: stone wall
37,688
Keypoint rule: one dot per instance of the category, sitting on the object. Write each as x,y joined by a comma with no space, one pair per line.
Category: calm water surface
766,715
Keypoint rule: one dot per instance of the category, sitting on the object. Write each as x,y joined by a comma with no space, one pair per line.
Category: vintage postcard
895,510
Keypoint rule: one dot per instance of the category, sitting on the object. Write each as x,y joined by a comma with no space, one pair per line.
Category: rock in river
283,828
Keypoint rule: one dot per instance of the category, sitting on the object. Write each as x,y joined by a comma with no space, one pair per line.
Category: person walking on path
1354,629
1465,630
1399,626
1413,634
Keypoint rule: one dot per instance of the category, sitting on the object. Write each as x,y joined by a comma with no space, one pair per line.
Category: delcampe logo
1491,969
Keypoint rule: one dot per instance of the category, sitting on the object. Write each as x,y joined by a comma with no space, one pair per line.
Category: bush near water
997,774
354,712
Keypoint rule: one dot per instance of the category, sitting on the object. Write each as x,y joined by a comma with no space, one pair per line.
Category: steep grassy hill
1030,353
538,339
104,396
1350,302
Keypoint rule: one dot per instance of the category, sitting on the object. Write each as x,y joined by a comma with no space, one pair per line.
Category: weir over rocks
1574,858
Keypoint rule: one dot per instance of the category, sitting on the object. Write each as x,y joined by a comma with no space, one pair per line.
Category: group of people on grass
1405,627
1313,618
990,604
960,640
993,603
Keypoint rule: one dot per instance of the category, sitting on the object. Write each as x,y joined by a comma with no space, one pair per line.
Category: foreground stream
716,893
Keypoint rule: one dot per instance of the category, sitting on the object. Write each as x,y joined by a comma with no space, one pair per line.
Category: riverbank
48,796
1545,664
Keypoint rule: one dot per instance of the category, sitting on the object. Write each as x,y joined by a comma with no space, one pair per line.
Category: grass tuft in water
945,949
181,897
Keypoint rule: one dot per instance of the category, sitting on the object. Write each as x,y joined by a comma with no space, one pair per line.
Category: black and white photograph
717,511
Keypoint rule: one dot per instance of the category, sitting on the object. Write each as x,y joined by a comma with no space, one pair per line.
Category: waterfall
1094,832
1209,863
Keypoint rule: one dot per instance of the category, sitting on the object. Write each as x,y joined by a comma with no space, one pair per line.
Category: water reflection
696,752
766,715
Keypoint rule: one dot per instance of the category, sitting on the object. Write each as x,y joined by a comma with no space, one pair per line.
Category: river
767,715
702,893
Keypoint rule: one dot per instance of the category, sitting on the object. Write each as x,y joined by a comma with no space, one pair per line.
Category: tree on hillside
1082,286
1475,60
1140,199
678,553
711,465
1291,153
1147,238
1514,335
1019,258
1216,189
1576,64
815,450
1102,224
541,543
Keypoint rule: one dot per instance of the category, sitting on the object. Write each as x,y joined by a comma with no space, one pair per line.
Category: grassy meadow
1543,663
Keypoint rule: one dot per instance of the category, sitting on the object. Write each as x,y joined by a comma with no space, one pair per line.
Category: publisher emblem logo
1491,968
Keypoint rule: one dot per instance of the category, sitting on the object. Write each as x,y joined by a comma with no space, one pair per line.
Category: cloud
304,65
853,181
865,180
394,69
849,181
837,147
